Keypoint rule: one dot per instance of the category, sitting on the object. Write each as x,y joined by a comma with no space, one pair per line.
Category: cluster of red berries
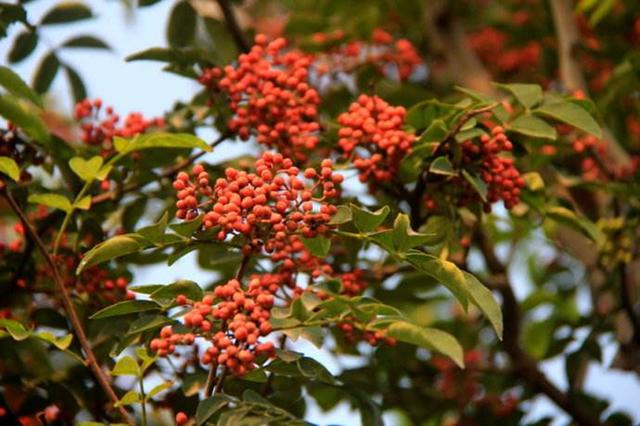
391,57
15,245
100,132
353,283
353,334
499,173
374,127
464,388
266,206
241,318
592,169
271,97
490,45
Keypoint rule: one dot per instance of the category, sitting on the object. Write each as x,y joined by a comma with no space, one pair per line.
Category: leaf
478,184
10,168
23,45
86,42
16,86
529,95
154,233
318,246
447,273
160,140
129,398
168,293
482,297
367,221
533,181
537,338
125,308
182,24
55,201
157,389
75,82
115,247
187,228
429,338
210,406
571,114
46,72
84,203
61,343
569,218
25,116
67,11
442,166
532,126
404,237
342,215
15,329
148,322
86,169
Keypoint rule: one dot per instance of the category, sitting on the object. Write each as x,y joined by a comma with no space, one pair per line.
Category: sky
142,86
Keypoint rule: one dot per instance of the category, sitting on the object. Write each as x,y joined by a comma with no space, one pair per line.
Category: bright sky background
142,86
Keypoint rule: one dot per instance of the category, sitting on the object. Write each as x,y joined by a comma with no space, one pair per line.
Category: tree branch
90,358
524,366
232,25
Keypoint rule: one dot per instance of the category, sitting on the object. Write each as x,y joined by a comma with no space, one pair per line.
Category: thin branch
90,358
524,366
231,22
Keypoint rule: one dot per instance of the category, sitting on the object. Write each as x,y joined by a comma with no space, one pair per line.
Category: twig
524,366
232,25
68,305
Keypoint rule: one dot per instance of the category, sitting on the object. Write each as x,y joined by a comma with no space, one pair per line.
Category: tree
393,197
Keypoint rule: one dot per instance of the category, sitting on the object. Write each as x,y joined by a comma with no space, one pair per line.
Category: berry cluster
371,133
266,206
491,47
100,132
499,173
353,283
271,97
389,57
243,317
352,333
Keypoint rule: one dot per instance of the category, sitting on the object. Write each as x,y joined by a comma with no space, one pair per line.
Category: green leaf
55,201
168,293
429,338
529,95
148,322
129,398
155,232
86,169
15,329
46,72
571,114
16,86
10,168
343,215
160,140
157,389
61,343
404,237
537,338
367,221
210,406
67,11
84,203
86,42
447,273
318,246
482,297
187,228
75,82
125,308
532,126
478,184
182,24
533,181
23,45
442,166
115,247
24,115
569,218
